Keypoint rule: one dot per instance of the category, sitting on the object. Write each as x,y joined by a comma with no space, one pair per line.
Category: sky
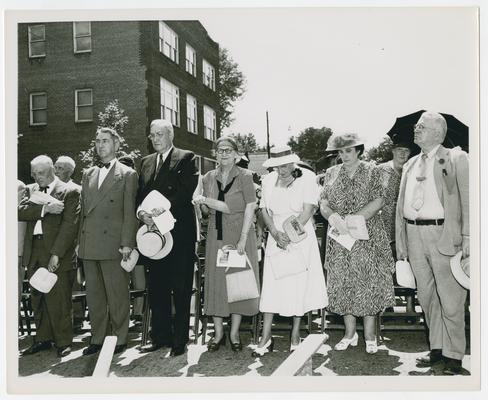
348,69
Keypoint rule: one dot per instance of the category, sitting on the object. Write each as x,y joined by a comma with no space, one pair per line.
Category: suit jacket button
104,231
170,187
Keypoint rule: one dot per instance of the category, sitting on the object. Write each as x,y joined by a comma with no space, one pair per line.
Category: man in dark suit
107,234
50,242
173,173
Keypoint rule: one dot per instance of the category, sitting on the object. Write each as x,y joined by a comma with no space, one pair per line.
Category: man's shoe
433,358
177,351
92,349
120,348
452,367
149,348
63,351
36,348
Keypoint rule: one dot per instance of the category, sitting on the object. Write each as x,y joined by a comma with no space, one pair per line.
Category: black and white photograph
337,148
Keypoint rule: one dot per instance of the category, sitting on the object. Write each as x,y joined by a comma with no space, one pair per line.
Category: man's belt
38,237
425,221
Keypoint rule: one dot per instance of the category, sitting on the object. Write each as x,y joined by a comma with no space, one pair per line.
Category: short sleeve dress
296,294
359,282
240,194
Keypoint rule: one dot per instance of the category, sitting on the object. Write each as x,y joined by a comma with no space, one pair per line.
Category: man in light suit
173,173
50,242
432,225
107,235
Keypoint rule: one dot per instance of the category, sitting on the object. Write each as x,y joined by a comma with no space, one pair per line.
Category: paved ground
396,356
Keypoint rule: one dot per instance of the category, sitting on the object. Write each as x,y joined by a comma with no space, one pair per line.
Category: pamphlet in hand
228,257
346,240
42,198
356,225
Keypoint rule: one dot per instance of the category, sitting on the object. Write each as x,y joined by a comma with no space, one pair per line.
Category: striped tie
419,189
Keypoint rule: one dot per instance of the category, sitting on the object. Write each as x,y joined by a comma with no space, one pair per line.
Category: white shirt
38,225
104,172
432,207
165,155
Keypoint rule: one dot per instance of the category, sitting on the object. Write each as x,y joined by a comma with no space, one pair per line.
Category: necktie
106,165
159,164
103,165
419,189
43,189
218,214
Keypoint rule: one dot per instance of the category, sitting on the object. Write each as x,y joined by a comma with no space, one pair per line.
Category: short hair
439,121
229,139
163,124
111,131
68,161
42,159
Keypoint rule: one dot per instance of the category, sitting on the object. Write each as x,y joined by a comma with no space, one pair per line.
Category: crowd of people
408,208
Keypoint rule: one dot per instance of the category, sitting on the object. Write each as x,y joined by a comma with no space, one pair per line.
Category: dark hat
400,142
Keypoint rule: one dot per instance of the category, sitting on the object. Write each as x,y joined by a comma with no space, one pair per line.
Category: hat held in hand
460,269
131,261
153,244
404,274
43,280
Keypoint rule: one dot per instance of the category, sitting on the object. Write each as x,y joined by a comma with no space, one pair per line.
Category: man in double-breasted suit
432,225
173,173
107,234
50,242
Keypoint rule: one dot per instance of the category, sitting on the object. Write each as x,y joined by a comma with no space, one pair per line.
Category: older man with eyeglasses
432,225
173,173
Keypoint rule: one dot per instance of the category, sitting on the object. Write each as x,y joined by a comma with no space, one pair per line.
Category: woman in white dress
293,279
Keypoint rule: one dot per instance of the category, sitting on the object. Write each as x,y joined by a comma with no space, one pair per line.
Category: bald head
161,135
430,130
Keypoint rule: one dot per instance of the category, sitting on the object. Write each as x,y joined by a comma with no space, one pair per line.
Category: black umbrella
402,131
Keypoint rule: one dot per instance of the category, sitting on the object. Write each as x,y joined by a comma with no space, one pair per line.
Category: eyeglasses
156,135
224,151
420,127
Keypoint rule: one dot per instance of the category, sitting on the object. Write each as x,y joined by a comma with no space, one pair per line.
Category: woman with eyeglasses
229,198
359,278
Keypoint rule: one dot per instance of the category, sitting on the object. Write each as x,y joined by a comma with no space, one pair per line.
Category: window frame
188,119
213,133
191,64
174,113
75,36
205,64
77,120
174,50
32,110
30,41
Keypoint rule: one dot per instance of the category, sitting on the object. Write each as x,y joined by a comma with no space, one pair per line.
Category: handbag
241,285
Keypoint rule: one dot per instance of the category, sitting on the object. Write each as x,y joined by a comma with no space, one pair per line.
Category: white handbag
241,285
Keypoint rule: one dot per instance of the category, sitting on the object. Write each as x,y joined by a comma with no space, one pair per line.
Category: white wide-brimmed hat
43,280
280,156
153,244
404,274
460,269
131,262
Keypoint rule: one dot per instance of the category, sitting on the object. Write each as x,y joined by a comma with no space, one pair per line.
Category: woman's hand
338,223
282,239
199,199
241,245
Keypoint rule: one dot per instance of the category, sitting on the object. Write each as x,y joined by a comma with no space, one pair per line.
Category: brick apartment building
69,72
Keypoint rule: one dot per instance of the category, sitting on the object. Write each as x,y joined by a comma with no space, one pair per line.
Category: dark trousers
172,275
53,310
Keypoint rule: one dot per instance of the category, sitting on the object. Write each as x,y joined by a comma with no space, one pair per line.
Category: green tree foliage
381,153
111,117
231,87
310,144
246,143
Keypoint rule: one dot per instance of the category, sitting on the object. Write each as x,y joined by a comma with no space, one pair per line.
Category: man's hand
465,246
146,218
157,211
53,263
125,251
54,208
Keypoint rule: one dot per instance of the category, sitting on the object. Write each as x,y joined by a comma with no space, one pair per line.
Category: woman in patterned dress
229,197
359,281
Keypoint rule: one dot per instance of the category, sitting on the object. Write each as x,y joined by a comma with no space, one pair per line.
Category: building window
170,102
209,123
37,41
38,108
83,105
191,114
191,60
168,42
208,75
82,37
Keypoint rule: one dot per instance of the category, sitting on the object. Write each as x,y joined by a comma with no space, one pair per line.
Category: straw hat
43,280
280,156
460,269
343,141
404,274
153,244
131,262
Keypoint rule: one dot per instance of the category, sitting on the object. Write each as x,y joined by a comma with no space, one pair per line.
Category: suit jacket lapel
174,158
441,153
149,167
113,175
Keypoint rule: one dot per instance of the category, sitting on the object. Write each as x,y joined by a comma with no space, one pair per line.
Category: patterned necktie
158,165
419,189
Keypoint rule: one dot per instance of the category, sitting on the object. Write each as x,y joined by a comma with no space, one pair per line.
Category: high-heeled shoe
214,346
267,348
293,347
371,346
235,346
345,342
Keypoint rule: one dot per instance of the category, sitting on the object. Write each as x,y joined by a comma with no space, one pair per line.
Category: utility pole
267,135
